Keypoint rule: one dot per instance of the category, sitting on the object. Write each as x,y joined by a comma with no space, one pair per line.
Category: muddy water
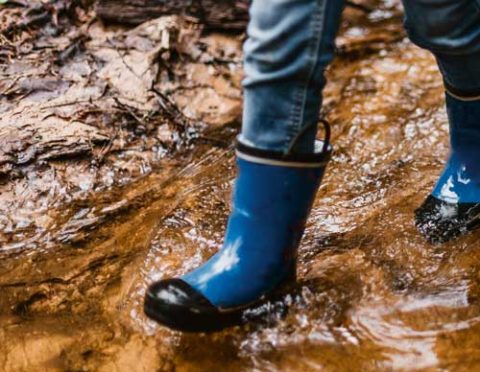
372,294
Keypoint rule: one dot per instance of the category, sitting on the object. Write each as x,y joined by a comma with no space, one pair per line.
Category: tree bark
215,14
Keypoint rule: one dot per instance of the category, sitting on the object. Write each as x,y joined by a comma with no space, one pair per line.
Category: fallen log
223,15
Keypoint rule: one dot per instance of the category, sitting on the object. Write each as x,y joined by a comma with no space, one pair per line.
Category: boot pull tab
328,134
326,139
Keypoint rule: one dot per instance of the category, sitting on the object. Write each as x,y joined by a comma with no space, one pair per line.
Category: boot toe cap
176,292
439,221
176,304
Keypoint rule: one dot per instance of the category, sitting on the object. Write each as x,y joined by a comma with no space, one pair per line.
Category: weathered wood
52,138
223,14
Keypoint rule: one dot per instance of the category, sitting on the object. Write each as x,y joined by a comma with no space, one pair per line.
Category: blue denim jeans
291,42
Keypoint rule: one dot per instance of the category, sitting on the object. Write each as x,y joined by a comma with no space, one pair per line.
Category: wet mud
116,166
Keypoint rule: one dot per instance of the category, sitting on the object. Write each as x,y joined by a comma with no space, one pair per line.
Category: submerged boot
453,208
272,198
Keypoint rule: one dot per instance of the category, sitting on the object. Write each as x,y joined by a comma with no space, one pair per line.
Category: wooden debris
224,15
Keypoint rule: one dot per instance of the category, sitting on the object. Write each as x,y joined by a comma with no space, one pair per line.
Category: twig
170,108
130,111
122,57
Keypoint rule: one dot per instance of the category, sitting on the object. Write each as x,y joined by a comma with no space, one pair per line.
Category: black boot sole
189,311
439,221
187,320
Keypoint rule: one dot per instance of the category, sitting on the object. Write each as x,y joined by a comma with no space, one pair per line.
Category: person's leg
450,29
289,46
280,166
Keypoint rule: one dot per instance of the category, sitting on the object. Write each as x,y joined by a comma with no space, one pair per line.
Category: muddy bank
116,166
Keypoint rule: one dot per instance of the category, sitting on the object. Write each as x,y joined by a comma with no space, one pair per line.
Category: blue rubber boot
272,198
453,208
